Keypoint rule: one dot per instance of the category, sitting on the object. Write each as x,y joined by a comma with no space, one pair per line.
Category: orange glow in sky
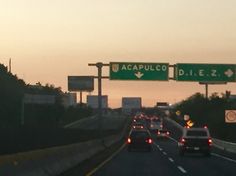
49,40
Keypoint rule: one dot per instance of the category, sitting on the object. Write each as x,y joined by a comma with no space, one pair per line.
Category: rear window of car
163,131
196,133
139,134
138,124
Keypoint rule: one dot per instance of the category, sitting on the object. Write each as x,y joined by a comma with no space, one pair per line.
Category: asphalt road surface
165,160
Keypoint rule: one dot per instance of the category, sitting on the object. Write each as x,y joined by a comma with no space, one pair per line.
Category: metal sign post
99,66
207,86
81,98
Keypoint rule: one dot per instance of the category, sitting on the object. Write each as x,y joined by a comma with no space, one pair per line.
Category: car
195,140
139,139
137,126
163,133
155,126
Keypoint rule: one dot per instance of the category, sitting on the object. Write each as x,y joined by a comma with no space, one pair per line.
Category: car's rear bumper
195,148
139,146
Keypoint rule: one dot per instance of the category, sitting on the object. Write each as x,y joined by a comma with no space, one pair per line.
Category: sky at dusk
49,40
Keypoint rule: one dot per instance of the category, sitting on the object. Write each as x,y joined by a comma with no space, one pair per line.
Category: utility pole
22,121
10,65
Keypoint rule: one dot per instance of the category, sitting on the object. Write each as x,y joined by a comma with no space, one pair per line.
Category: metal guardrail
223,145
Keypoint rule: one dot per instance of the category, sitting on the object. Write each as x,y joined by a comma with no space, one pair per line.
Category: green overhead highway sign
206,72
139,71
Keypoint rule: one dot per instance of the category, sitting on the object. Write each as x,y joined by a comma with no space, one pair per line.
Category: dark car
195,140
137,125
139,139
163,133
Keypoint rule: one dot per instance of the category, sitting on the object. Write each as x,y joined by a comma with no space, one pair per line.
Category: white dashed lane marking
182,169
171,160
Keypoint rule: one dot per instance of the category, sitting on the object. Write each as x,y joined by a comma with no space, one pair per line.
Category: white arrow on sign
139,75
229,73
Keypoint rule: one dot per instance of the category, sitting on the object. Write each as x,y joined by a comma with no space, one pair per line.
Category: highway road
164,160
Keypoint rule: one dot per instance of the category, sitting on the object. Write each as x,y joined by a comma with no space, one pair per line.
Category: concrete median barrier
56,160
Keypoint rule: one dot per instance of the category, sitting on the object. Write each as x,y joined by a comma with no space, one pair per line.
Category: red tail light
168,133
159,132
129,140
182,140
210,141
149,141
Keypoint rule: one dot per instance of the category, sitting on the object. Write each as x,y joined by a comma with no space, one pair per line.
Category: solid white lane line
171,160
182,169
164,153
223,157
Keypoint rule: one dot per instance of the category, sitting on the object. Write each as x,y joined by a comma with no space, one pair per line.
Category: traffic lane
176,134
140,163
174,131
196,164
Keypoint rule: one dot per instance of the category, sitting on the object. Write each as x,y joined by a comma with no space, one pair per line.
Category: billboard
131,103
165,104
69,99
92,101
81,83
39,99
